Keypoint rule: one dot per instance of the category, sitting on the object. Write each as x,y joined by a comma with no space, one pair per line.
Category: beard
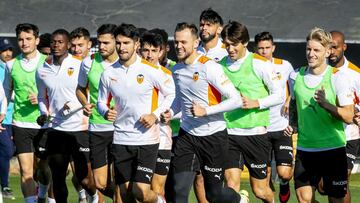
208,38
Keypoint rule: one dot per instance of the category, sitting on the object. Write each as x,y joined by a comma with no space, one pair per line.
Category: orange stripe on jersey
354,67
165,70
149,64
154,99
257,56
223,46
203,59
77,57
278,61
214,96
335,70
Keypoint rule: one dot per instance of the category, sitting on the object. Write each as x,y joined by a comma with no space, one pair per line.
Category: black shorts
282,147
253,151
100,148
329,165
75,144
135,163
352,147
29,140
163,162
207,151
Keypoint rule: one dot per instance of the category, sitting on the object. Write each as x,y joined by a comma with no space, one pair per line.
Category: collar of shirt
235,65
203,50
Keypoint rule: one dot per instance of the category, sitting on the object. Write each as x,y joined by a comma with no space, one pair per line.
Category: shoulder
293,74
257,57
10,64
88,60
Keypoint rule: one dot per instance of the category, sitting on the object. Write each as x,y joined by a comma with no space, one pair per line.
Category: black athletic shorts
134,163
352,148
29,140
329,165
253,151
100,148
163,162
283,148
207,151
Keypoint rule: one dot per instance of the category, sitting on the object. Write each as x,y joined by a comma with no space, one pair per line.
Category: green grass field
354,187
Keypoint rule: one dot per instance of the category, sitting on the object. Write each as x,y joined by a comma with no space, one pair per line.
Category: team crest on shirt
196,76
70,71
140,78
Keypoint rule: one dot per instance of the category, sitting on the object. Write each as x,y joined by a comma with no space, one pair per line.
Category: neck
211,44
30,55
191,58
130,61
59,59
339,63
112,58
318,70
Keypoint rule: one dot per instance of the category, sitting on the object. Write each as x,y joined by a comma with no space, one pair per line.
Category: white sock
94,198
31,199
160,199
82,194
51,200
43,190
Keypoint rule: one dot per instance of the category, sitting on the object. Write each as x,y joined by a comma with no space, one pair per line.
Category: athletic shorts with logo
330,165
253,151
29,140
134,163
100,148
282,147
163,160
352,148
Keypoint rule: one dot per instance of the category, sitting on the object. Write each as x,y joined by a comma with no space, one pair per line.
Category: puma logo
264,172
291,154
218,176
148,177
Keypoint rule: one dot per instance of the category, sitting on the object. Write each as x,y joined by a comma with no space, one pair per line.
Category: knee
140,193
286,174
260,192
100,183
304,197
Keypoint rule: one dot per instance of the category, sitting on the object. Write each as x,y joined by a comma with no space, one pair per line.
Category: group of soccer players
114,114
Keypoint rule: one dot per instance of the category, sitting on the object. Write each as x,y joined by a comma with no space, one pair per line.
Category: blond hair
320,35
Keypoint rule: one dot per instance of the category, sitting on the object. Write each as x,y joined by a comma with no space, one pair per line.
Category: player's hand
197,110
356,118
320,96
88,109
148,120
111,115
285,108
2,117
33,98
165,116
41,120
288,131
249,103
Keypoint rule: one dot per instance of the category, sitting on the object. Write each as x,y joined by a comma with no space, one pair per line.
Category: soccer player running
339,61
57,80
100,130
20,78
200,84
254,79
324,101
134,85
281,145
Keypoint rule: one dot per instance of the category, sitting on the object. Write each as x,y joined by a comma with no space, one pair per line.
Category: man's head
80,42
106,39
210,25
186,40
337,49
264,44
127,41
6,50
235,38
151,47
318,47
28,37
44,44
165,46
60,42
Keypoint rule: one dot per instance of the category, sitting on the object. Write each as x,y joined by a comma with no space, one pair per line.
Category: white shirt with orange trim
135,90
282,69
353,75
203,82
57,86
264,70
217,53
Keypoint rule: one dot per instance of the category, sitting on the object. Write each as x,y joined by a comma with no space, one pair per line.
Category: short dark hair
127,30
152,39
44,40
106,29
61,32
263,36
27,27
211,16
80,32
162,33
182,26
235,32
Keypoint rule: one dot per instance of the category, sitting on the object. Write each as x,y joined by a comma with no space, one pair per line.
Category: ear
273,48
89,44
196,43
137,44
245,45
37,41
344,47
327,52
219,29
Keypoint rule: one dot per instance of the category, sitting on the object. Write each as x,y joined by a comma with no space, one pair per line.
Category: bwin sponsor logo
214,170
148,170
258,166
165,161
82,149
285,147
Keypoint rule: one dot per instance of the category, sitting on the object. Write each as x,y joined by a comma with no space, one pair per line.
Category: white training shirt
353,75
83,82
28,65
135,90
216,53
3,101
282,69
57,86
204,82
265,71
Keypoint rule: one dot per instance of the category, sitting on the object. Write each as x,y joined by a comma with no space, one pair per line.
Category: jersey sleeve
7,85
217,78
343,89
84,71
104,91
292,79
